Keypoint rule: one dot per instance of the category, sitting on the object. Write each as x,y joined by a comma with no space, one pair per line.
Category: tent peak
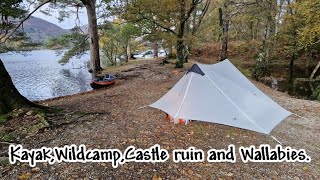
196,69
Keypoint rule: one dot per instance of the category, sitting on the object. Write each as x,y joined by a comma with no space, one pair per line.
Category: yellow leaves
190,172
308,36
117,21
103,40
25,176
175,72
309,17
156,177
162,8
159,6
301,24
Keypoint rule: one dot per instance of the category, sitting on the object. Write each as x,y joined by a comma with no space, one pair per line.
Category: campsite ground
112,118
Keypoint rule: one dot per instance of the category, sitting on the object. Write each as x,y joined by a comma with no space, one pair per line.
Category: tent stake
142,107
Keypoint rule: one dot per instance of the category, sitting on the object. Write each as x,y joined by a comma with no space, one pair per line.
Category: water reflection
38,75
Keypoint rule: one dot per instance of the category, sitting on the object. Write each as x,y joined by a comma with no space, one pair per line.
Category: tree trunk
10,98
93,35
270,29
187,53
170,50
155,49
266,39
128,48
294,53
307,80
224,47
180,35
251,26
180,53
224,23
307,66
290,85
315,70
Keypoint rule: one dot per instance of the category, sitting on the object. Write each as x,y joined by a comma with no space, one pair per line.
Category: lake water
38,75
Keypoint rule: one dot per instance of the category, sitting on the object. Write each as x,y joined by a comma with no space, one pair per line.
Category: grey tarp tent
220,93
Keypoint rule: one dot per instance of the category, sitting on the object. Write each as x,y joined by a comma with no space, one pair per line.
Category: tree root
52,125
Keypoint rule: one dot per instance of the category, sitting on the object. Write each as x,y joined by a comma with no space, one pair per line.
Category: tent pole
184,97
235,105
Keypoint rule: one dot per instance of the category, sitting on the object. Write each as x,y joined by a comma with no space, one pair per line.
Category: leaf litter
116,117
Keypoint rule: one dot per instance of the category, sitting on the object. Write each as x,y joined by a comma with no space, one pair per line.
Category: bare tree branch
155,22
204,11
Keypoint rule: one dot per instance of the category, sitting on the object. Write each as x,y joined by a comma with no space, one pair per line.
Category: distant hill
41,25
39,29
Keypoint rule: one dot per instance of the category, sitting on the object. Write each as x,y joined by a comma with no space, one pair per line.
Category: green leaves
76,43
115,39
12,8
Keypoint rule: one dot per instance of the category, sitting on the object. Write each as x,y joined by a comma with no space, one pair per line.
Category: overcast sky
67,23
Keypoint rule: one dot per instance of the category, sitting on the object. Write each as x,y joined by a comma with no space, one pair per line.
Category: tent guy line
274,138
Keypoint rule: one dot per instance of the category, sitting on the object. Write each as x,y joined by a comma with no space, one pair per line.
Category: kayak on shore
103,81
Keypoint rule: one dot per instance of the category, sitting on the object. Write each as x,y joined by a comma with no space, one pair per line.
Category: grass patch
7,137
34,128
3,118
4,163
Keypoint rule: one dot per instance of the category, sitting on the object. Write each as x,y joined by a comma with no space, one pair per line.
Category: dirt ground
113,118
